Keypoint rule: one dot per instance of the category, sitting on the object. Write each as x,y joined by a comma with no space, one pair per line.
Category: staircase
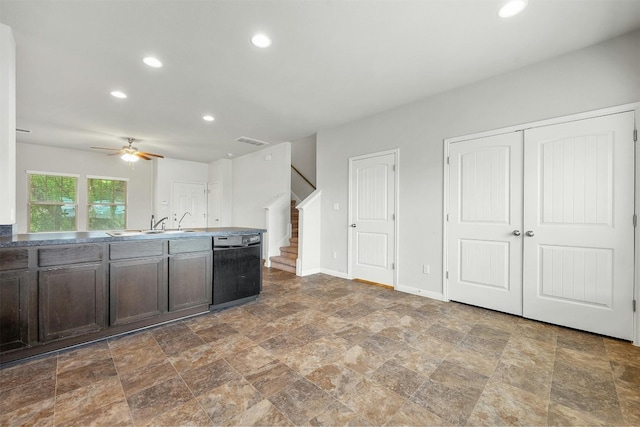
286,261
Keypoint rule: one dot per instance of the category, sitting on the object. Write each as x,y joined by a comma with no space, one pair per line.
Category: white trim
310,271
420,292
74,175
111,178
547,122
634,106
334,273
396,225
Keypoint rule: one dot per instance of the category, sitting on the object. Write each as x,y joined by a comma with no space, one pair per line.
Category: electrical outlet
336,206
335,255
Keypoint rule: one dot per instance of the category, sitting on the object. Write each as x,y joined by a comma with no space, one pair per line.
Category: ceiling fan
130,153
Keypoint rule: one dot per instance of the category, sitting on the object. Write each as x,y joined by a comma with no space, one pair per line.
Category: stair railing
303,177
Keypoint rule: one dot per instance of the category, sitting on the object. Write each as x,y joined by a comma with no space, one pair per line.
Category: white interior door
189,197
485,220
372,212
578,211
214,204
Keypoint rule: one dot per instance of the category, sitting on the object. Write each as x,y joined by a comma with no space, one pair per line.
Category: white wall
168,171
61,160
303,156
7,126
602,75
220,171
257,179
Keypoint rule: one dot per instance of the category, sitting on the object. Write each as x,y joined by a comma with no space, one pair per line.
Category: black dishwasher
237,272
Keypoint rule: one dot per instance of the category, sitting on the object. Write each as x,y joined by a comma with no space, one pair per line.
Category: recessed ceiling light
208,118
229,154
261,40
512,8
118,94
152,62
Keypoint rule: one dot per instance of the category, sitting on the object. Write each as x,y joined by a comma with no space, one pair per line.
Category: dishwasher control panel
236,240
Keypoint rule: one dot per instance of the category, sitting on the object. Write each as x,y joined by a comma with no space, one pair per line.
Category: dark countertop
39,239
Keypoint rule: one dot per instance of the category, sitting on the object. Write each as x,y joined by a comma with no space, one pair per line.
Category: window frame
125,204
29,173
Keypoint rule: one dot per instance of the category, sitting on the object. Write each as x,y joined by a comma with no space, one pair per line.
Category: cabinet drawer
141,249
180,246
76,254
14,259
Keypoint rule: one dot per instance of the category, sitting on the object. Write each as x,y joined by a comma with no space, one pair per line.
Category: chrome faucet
162,221
180,222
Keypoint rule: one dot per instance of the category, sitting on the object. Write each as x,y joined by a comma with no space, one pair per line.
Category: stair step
289,251
294,233
293,241
283,263
283,267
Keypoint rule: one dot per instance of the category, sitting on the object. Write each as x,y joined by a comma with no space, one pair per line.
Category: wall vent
251,141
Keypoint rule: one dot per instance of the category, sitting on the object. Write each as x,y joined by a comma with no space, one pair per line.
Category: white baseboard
310,271
334,273
420,292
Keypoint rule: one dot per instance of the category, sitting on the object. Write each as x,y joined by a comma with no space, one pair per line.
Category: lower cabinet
190,280
71,301
138,290
14,309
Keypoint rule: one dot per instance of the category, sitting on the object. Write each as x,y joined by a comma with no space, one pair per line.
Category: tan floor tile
338,415
188,414
272,378
301,401
82,356
207,377
374,402
397,378
453,404
336,379
29,371
113,414
194,357
251,360
412,414
38,414
30,393
157,400
472,360
362,360
151,375
225,404
87,400
85,374
534,381
315,354
502,404
264,413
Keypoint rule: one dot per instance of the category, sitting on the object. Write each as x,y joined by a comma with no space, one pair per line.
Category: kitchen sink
124,233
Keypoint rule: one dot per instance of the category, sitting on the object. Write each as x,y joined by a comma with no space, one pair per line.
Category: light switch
336,206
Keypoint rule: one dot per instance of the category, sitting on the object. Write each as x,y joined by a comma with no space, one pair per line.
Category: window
107,199
52,202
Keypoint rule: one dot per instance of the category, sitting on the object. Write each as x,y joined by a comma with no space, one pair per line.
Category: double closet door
541,223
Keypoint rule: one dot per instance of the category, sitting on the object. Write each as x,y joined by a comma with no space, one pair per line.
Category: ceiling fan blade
117,153
139,154
103,148
151,154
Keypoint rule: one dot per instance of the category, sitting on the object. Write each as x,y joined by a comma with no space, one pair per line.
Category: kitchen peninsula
63,289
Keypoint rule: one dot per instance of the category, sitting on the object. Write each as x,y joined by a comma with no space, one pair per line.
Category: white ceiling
331,62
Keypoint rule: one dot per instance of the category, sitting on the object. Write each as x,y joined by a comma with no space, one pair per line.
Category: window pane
107,204
52,189
52,203
52,218
107,217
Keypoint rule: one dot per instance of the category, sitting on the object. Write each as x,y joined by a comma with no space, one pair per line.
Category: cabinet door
14,309
137,290
71,300
190,280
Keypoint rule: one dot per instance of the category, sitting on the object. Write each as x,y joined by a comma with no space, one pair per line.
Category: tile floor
327,351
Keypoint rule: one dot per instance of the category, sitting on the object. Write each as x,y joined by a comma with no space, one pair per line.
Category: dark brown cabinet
71,301
138,286
190,268
14,309
58,295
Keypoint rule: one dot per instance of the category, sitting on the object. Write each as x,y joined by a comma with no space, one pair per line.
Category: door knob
529,233
516,232
353,225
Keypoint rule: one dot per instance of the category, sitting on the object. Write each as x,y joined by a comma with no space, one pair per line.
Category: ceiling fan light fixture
208,118
512,7
128,157
152,62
